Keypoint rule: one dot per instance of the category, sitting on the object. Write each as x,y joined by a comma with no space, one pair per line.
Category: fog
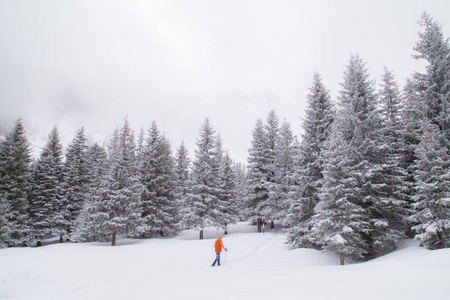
92,63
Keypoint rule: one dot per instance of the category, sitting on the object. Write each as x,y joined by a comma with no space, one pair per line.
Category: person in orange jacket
218,245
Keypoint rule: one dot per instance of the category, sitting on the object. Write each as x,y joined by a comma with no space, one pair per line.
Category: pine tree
308,161
160,206
77,179
433,189
45,198
15,176
202,199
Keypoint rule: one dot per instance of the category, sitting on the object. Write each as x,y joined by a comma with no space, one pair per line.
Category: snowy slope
256,266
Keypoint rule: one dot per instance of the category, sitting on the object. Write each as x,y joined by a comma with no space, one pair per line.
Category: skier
218,245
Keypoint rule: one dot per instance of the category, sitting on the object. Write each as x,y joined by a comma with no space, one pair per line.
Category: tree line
370,169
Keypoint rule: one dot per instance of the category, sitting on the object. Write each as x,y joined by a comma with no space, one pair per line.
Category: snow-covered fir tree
182,173
435,50
76,179
388,194
433,189
259,167
340,223
358,124
227,206
87,225
280,190
309,166
15,177
45,198
413,115
240,185
157,174
202,198
269,207
118,200
140,146
429,96
4,226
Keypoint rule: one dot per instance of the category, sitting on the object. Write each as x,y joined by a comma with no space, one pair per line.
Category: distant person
218,245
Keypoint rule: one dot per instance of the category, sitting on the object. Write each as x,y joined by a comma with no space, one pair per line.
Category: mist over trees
370,169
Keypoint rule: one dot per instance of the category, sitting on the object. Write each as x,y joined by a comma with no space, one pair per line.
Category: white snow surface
256,266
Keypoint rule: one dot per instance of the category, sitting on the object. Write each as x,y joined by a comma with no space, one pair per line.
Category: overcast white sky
90,63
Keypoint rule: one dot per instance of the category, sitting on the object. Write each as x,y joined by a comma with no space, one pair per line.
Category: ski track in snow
256,266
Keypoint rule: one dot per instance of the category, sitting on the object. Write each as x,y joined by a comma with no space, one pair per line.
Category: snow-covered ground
256,266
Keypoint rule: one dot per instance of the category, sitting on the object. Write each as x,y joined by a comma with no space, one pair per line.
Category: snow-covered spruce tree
15,176
280,191
182,173
364,132
413,115
140,147
269,208
259,167
87,226
157,174
182,165
358,124
45,198
433,189
340,224
227,212
119,209
4,228
218,209
240,185
389,206
202,199
435,49
309,166
76,180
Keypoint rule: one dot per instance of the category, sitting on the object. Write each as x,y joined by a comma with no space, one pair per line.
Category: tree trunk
341,256
272,224
113,240
226,228
39,244
259,224
61,239
201,234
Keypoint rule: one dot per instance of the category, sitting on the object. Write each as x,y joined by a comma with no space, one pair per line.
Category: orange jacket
218,246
